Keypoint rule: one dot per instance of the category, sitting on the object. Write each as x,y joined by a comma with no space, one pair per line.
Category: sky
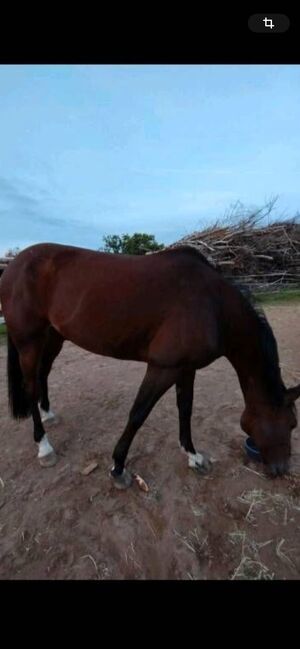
91,150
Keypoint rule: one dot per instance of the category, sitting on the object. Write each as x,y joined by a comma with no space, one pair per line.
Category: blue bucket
252,450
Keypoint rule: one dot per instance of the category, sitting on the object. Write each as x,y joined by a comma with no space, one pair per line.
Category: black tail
19,401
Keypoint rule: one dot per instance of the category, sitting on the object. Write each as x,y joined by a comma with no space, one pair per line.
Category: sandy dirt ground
234,523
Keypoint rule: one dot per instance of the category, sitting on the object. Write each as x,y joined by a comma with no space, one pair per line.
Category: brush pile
261,257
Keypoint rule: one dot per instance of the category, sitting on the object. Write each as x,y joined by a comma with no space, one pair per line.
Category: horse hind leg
29,358
52,348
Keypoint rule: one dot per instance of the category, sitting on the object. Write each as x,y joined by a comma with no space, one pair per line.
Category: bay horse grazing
171,310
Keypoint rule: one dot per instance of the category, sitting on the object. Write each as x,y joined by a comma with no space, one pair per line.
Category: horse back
158,308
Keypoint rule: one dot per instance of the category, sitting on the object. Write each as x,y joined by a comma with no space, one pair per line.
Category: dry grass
260,475
131,557
250,565
260,502
252,562
283,556
196,544
89,556
266,502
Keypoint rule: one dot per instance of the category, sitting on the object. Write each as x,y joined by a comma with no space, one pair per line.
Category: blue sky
93,150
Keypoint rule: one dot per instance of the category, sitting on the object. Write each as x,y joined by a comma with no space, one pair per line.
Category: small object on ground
252,450
141,483
89,468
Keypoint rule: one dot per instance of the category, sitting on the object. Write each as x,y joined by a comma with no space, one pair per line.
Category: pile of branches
262,256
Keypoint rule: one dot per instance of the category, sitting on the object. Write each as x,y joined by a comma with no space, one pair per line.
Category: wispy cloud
27,204
184,171
13,196
25,218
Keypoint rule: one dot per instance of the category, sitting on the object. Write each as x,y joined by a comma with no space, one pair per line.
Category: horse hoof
123,480
200,463
203,469
48,460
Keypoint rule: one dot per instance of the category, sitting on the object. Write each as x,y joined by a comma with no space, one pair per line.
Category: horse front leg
184,394
155,383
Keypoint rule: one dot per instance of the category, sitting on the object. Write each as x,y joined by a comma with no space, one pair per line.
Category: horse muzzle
276,469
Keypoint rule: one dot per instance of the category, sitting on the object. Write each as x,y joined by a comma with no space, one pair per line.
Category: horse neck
244,349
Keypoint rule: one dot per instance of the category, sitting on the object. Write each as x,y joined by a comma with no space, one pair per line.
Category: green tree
113,243
135,244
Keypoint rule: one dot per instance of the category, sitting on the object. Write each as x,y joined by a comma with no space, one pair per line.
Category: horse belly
104,334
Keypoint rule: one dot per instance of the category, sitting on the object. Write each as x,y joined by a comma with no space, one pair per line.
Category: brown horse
171,310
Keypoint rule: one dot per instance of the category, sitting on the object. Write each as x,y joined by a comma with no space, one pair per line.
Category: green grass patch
3,330
280,297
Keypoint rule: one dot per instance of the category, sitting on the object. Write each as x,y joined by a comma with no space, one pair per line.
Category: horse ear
292,394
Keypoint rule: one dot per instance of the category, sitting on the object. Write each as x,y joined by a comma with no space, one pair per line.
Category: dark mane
192,251
270,350
272,377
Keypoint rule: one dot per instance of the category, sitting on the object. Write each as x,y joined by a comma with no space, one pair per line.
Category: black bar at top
197,35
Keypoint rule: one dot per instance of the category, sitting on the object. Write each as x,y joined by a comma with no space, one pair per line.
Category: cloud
25,218
13,196
25,205
184,171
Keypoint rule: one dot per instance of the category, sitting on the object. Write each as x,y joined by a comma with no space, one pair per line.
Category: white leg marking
46,416
195,459
44,447
198,460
